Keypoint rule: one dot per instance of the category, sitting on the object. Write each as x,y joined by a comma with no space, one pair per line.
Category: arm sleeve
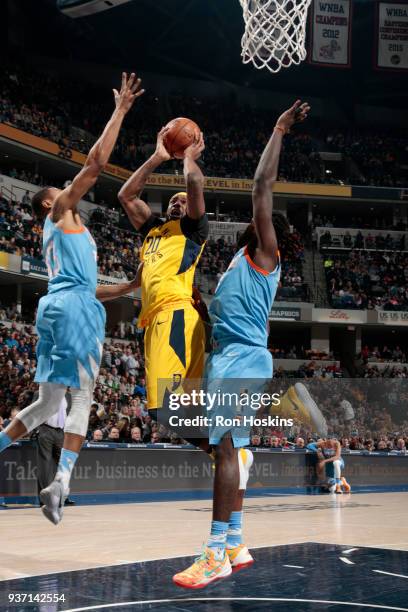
195,229
151,222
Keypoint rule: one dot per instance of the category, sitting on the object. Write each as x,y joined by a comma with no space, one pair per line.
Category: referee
49,444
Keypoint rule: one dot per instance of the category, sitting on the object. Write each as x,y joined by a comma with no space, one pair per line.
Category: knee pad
50,396
78,417
245,461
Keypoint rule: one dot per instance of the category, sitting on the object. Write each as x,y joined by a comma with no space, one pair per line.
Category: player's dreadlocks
282,229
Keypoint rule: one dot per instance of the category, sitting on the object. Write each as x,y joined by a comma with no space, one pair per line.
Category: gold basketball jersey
169,262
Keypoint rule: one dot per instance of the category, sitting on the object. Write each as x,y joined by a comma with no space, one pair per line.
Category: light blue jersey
242,302
239,313
70,257
70,320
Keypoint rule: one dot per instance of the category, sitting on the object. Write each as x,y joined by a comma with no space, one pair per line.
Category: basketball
182,133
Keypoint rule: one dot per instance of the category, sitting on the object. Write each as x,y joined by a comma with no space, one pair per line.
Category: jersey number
153,245
51,261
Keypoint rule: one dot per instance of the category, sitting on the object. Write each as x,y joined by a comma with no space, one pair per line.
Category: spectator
97,436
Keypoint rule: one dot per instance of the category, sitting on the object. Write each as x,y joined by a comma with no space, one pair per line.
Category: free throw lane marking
390,574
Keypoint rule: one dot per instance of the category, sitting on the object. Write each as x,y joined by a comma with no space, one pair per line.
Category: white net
275,32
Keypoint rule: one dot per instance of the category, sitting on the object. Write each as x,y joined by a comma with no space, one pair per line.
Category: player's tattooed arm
104,293
136,209
101,151
194,179
264,179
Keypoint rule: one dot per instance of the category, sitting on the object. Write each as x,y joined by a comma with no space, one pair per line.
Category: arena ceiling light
82,8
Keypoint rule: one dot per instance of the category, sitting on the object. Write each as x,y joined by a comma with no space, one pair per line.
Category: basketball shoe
53,497
204,570
239,557
346,485
298,404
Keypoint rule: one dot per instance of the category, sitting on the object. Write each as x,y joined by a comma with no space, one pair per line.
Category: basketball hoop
275,32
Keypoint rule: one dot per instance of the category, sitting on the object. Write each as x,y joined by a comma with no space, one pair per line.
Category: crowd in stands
375,155
219,253
382,443
367,222
368,280
72,114
384,353
119,413
118,248
379,242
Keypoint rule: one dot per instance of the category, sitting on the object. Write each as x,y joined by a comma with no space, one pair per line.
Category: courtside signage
327,315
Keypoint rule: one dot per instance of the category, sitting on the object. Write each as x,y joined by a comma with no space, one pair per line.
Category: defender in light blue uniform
240,363
70,320
239,314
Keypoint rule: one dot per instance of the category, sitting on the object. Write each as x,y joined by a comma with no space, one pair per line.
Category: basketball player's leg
224,368
174,354
78,336
195,335
49,398
50,393
214,562
238,553
341,482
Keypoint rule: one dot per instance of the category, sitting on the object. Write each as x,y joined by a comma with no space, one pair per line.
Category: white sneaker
53,497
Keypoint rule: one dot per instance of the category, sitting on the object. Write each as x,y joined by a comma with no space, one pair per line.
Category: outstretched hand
295,114
196,148
161,150
128,93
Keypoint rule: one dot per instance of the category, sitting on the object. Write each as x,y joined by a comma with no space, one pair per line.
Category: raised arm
194,180
129,196
99,155
264,179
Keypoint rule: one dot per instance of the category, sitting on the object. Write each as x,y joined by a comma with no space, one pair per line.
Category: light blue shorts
71,329
235,369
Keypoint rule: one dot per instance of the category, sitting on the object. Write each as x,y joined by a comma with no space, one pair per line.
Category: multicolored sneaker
239,557
297,403
339,490
204,570
345,484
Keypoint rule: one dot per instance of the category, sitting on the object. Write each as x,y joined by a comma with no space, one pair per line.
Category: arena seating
235,134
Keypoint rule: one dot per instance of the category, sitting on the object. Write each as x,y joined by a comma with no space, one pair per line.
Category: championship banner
392,35
331,33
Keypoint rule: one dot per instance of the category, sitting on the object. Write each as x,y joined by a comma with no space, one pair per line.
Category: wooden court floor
106,535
